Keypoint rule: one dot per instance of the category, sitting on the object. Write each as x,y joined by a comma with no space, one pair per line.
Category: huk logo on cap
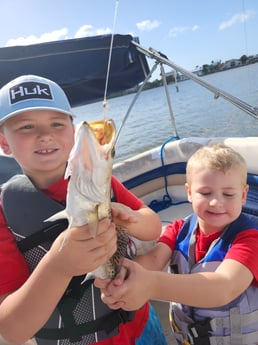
29,90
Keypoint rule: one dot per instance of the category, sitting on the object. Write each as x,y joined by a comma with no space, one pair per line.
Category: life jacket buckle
198,332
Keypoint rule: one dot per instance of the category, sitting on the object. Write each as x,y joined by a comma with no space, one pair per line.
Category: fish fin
99,272
87,277
59,215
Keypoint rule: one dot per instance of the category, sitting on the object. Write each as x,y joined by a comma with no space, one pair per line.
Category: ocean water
195,110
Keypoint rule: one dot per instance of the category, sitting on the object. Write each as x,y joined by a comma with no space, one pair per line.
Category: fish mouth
104,131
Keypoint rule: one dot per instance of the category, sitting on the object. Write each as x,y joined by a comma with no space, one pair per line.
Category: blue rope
158,205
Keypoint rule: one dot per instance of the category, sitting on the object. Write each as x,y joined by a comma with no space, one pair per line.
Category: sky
189,32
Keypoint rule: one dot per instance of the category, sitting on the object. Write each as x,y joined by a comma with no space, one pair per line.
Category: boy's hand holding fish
82,252
134,221
123,215
128,290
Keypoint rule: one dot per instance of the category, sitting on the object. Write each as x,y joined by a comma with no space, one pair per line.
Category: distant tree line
213,67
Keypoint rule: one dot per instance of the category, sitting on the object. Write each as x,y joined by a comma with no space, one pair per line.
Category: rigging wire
105,105
168,99
246,41
140,88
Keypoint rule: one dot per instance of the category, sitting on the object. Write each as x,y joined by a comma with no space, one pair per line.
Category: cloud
46,37
237,18
177,30
174,32
89,30
195,27
148,25
56,35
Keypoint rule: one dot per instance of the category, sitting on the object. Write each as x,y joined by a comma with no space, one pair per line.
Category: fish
89,170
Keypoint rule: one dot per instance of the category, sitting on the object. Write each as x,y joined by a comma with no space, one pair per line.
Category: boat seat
8,168
251,205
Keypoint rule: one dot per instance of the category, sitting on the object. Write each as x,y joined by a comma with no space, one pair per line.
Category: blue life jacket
80,317
232,324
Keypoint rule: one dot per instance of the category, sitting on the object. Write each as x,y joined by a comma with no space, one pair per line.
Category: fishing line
244,23
246,41
105,105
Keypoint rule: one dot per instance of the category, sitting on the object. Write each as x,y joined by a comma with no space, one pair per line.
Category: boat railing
162,59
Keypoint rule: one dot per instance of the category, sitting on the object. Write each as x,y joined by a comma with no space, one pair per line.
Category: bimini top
79,66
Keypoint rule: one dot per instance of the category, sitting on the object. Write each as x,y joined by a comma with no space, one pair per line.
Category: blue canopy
79,66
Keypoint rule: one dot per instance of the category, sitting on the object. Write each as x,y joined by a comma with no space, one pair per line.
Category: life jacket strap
48,234
199,332
71,329
106,323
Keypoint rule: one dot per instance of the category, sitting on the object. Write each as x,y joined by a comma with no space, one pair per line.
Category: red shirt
14,269
244,248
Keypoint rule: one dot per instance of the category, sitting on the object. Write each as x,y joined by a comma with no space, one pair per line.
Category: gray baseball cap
31,92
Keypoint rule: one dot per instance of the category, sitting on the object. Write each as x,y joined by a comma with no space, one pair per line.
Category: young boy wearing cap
41,290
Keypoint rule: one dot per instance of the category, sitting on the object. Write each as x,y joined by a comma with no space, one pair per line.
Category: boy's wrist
55,268
153,279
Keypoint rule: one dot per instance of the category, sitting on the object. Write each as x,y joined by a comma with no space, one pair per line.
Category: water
196,112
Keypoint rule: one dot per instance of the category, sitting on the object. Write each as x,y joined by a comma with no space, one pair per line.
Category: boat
157,176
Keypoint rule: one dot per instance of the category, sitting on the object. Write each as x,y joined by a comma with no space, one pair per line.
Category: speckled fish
89,171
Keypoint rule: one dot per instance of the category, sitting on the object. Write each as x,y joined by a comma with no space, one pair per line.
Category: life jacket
232,324
80,317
